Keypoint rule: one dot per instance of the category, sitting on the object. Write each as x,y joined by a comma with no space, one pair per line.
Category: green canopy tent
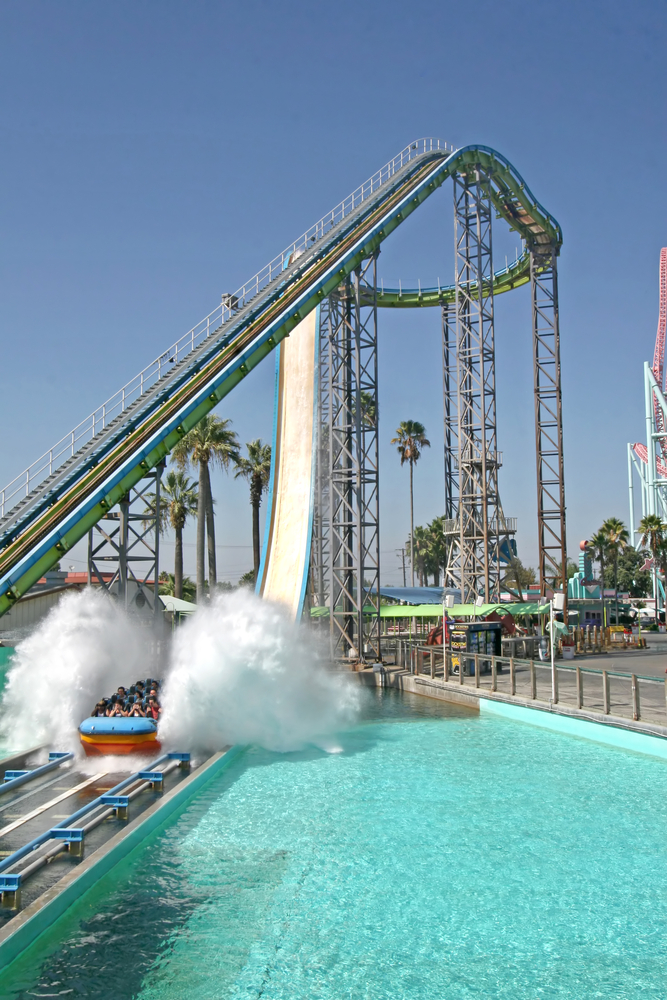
457,611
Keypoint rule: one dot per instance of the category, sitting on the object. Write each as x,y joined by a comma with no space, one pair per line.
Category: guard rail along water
607,692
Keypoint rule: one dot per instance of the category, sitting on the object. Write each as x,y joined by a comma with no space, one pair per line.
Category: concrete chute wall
283,572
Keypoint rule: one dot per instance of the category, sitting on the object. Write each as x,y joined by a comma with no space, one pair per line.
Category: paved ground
650,662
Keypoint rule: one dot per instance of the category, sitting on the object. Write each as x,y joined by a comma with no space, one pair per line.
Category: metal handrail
67,446
546,665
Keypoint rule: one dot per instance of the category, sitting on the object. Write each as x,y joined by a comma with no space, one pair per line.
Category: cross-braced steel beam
548,419
478,458
320,573
350,404
124,547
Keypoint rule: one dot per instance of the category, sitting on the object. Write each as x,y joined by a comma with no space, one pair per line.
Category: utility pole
402,552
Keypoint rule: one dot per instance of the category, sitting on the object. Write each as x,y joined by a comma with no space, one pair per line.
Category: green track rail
512,277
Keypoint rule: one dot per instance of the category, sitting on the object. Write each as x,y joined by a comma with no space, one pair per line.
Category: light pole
557,602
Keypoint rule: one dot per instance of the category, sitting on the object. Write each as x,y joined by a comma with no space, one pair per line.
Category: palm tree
652,528
178,501
368,409
256,469
210,442
423,553
618,537
411,438
438,547
597,547
181,502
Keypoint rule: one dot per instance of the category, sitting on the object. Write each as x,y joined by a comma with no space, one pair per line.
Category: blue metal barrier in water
56,758
67,829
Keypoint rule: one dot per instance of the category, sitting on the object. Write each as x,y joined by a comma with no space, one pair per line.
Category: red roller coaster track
641,450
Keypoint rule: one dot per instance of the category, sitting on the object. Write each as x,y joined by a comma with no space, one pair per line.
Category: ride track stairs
53,504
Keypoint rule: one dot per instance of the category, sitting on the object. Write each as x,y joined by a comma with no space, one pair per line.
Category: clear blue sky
156,154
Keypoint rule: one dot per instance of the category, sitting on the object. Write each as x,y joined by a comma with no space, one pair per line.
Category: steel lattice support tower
126,543
548,416
349,403
475,348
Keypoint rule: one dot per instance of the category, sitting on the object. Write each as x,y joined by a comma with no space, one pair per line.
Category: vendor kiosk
475,637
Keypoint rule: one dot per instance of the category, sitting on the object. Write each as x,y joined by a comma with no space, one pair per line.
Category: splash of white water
241,672
83,650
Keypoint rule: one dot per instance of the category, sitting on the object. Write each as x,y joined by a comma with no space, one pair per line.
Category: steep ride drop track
284,570
64,504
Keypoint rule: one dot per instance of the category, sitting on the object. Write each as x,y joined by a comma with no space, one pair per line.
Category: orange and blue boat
117,735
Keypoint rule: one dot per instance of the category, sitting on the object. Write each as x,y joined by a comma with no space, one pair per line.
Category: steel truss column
478,458
548,418
351,405
320,549
124,548
452,569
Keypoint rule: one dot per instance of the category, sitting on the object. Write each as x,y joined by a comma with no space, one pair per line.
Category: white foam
82,651
241,672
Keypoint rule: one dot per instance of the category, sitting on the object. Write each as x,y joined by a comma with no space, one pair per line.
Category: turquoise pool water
439,855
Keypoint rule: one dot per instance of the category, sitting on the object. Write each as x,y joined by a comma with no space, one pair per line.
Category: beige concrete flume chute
283,574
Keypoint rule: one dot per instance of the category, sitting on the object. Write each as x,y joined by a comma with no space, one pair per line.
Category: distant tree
521,576
411,440
256,468
556,579
210,442
653,529
168,587
248,579
631,578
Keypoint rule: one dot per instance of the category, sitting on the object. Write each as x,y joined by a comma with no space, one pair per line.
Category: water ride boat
117,735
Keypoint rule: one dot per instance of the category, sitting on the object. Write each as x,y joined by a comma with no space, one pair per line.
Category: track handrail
116,404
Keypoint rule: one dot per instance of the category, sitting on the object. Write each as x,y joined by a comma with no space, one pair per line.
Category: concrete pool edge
614,731
570,725
24,929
